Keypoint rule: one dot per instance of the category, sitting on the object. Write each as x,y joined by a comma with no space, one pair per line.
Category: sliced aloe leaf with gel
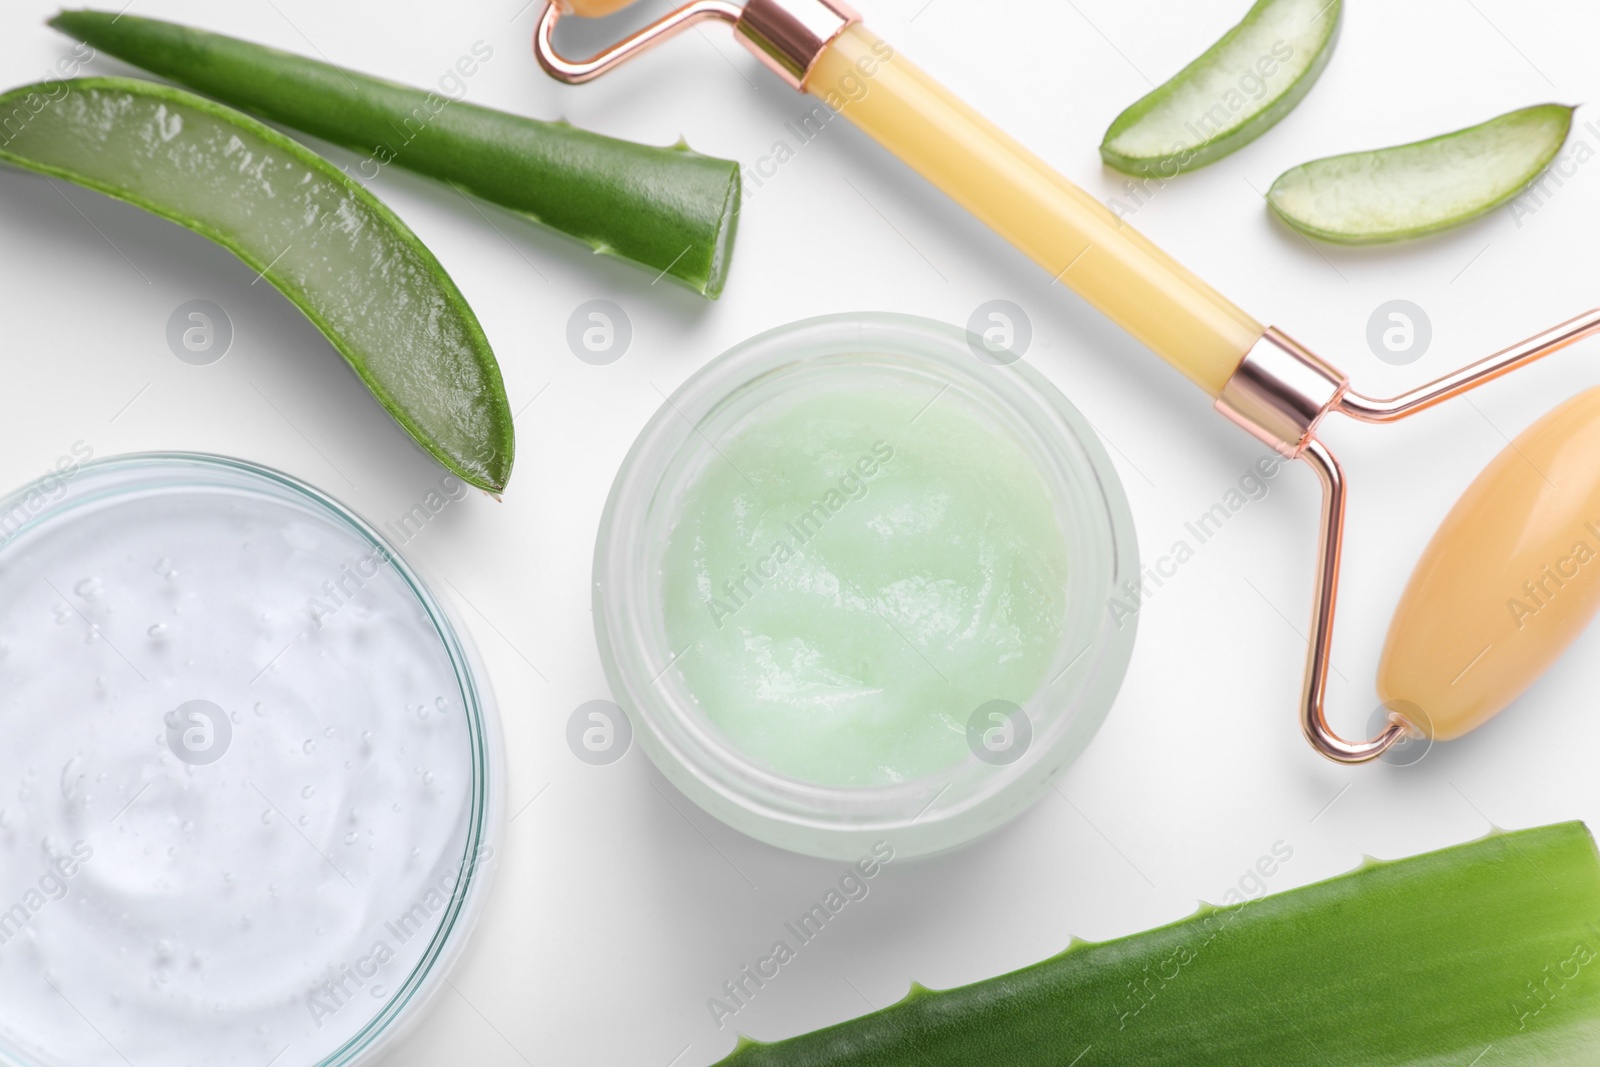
342,257
1414,189
1231,95
1422,962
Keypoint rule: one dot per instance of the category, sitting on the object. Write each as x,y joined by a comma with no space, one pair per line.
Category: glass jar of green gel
852,584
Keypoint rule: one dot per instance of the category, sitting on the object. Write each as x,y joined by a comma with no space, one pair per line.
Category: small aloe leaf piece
1420,962
1414,189
1235,92
670,209
339,255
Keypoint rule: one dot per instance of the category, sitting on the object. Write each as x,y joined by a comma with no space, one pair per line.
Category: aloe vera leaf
673,210
1422,962
1421,188
327,244
1252,77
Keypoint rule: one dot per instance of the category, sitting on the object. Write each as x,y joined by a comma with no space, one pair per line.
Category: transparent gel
858,570
245,800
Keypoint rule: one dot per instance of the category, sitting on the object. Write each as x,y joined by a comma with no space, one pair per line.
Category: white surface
620,908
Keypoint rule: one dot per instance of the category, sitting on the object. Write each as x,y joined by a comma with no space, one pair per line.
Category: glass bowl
930,812
250,791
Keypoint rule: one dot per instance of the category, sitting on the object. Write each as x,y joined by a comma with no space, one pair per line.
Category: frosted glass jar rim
917,817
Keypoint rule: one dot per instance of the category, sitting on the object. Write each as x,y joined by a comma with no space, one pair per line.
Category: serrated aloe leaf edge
1421,962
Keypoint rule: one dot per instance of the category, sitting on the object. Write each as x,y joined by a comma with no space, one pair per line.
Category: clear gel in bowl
248,784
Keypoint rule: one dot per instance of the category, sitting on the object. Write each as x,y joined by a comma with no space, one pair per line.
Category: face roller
1259,378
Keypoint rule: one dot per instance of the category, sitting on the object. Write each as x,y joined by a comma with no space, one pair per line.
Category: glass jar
932,812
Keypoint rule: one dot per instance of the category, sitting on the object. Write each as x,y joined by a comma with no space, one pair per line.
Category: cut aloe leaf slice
1424,962
327,244
1231,95
1421,188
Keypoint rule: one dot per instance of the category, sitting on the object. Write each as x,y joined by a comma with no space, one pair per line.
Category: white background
619,907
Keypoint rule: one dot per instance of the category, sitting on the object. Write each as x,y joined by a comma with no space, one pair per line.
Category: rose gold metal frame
1280,394
576,72
1367,409
786,35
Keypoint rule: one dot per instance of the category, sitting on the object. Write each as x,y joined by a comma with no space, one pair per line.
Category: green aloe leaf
1487,953
1421,188
327,244
1235,92
670,209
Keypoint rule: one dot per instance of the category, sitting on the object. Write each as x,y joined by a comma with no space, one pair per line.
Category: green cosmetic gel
854,573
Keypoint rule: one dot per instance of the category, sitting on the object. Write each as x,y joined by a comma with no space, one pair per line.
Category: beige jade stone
1510,579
